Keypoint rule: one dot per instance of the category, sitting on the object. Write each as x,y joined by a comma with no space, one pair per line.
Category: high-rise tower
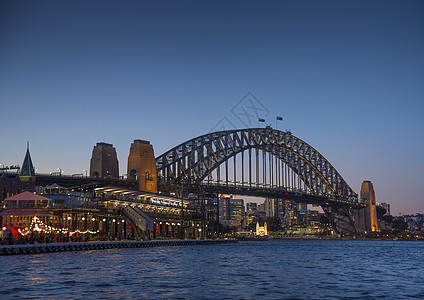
104,161
142,166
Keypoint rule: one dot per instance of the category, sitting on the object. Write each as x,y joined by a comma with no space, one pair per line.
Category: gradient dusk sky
346,76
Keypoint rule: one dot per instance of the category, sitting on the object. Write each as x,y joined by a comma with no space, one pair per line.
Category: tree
400,224
273,223
388,220
252,222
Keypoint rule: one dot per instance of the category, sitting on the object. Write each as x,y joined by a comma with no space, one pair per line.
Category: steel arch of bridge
194,160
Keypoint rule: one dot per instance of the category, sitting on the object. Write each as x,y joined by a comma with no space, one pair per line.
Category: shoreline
61,247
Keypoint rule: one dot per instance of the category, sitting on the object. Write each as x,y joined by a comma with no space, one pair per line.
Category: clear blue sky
347,76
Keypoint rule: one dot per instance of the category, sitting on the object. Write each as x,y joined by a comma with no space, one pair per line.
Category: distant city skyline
345,76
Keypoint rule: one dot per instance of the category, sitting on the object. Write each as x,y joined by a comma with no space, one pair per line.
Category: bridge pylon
142,166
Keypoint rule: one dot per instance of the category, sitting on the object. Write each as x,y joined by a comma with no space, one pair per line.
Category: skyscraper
251,207
270,207
237,211
231,211
224,208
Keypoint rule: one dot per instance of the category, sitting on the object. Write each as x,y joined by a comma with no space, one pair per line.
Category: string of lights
38,226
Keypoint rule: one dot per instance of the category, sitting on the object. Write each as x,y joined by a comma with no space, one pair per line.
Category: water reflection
273,269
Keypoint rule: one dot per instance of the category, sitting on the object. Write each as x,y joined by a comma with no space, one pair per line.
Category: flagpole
260,120
277,118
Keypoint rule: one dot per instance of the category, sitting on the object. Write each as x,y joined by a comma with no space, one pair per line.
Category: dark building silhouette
104,161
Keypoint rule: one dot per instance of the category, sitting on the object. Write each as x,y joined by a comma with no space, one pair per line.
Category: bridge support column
342,220
142,166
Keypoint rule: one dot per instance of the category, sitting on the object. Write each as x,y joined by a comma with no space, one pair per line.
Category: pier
61,247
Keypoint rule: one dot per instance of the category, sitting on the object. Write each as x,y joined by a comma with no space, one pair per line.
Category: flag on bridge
279,118
261,120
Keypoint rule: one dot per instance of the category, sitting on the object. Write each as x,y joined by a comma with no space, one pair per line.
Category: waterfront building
104,161
313,218
106,212
26,200
173,217
96,209
261,230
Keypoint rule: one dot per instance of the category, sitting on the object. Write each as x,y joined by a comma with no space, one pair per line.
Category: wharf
59,247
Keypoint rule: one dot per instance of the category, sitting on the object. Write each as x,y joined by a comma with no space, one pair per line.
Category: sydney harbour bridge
259,162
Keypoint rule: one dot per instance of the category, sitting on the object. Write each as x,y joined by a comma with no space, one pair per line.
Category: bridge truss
261,162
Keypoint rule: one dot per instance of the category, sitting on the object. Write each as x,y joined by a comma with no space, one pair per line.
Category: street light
85,172
60,171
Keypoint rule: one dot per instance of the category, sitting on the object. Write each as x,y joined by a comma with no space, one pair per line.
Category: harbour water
275,269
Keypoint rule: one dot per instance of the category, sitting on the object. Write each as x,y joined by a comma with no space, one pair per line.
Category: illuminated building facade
96,209
101,211
261,231
224,208
237,211
231,211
